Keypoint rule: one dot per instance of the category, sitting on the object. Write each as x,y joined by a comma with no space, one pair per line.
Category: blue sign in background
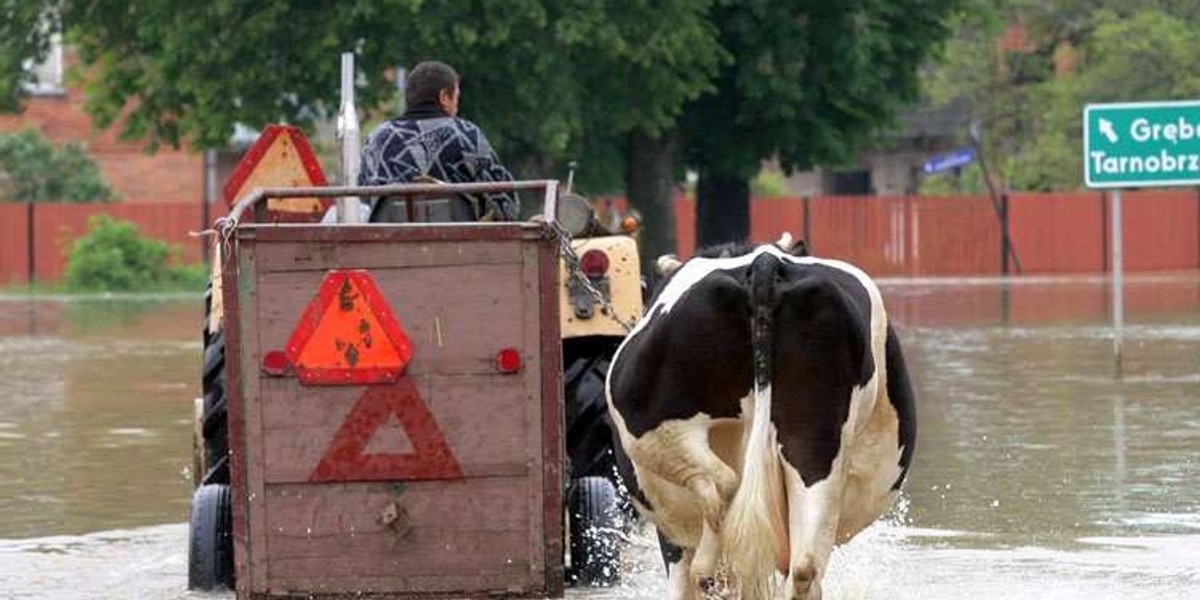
950,160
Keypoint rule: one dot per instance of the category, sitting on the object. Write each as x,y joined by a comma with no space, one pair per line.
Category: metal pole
1118,278
348,132
1005,248
210,195
1006,244
30,243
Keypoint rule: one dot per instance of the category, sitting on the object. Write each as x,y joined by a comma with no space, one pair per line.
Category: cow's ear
667,264
800,249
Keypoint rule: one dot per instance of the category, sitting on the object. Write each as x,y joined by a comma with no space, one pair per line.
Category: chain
574,271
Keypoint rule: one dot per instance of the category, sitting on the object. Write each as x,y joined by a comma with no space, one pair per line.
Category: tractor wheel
595,534
589,434
215,420
210,548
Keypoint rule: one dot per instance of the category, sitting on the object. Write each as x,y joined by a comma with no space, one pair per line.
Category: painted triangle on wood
346,458
348,335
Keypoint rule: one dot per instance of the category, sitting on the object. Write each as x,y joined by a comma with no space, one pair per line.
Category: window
48,74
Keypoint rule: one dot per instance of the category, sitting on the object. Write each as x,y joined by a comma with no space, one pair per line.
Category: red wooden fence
56,227
1052,233
914,235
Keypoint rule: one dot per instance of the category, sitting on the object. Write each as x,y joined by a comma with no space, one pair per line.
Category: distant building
893,168
56,110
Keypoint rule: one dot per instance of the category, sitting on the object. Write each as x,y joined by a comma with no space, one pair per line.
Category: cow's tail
750,527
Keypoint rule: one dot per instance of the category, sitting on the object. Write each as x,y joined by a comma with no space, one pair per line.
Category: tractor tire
210,547
214,426
589,434
595,533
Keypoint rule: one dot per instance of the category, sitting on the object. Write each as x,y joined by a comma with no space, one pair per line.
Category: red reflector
275,363
594,263
508,361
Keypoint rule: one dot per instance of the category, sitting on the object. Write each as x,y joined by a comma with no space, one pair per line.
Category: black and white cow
763,413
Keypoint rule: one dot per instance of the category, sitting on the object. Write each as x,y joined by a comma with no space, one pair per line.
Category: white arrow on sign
1106,128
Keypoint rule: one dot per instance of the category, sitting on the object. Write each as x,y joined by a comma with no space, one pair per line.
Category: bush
34,170
114,256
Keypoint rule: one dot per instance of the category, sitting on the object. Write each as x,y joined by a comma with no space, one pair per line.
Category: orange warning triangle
346,459
348,334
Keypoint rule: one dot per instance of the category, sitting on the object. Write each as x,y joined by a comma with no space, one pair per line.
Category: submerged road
888,562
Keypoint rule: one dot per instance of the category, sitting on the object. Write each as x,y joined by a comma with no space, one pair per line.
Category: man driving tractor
430,141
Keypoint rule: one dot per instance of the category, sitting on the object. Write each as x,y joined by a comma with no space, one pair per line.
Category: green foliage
1029,102
968,182
114,257
809,82
25,30
36,171
769,183
547,80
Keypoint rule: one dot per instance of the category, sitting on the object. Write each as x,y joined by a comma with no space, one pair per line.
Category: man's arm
505,205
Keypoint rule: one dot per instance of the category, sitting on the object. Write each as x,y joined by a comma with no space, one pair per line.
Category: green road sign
1141,144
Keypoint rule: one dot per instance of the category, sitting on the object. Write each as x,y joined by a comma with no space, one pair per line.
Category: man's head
433,82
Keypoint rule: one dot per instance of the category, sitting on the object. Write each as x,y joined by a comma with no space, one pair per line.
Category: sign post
1138,144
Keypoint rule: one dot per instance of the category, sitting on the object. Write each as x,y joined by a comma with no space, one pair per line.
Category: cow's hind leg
813,513
680,455
679,570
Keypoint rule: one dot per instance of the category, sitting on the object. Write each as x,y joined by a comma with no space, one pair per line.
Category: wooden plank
248,295
428,550
531,301
547,320
457,318
278,257
405,234
494,504
379,586
481,418
237,424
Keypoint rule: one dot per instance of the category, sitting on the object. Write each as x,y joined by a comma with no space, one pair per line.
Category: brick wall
169,175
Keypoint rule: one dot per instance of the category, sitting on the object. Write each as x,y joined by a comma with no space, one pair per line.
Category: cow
762,414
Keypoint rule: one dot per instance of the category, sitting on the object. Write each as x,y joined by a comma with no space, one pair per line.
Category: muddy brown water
1041,472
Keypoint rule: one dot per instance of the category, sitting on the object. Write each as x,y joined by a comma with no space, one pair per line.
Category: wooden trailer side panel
495,525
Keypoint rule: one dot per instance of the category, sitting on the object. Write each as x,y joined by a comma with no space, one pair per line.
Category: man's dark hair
427,80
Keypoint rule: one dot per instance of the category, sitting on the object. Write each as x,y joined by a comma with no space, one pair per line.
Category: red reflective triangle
431,458
348,334
280,157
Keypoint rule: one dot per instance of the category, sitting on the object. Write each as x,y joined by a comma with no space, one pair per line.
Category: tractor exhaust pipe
349,208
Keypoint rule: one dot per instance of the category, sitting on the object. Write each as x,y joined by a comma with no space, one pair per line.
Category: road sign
347,458
950,160
281,157
348,334
1141,144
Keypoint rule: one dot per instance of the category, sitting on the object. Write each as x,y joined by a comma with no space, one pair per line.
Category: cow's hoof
804,582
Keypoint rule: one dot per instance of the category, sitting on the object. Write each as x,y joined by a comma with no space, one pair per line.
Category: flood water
1041,471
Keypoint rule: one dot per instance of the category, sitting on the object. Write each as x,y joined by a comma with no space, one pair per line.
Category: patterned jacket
447,148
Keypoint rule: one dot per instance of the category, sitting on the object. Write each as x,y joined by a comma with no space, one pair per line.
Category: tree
37,171
1028,100
26,27
808,83
549,81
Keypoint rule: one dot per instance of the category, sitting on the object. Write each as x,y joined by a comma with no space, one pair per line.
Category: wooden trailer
394,405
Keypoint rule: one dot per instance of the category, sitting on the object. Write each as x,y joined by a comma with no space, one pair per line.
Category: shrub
34,170
114,256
